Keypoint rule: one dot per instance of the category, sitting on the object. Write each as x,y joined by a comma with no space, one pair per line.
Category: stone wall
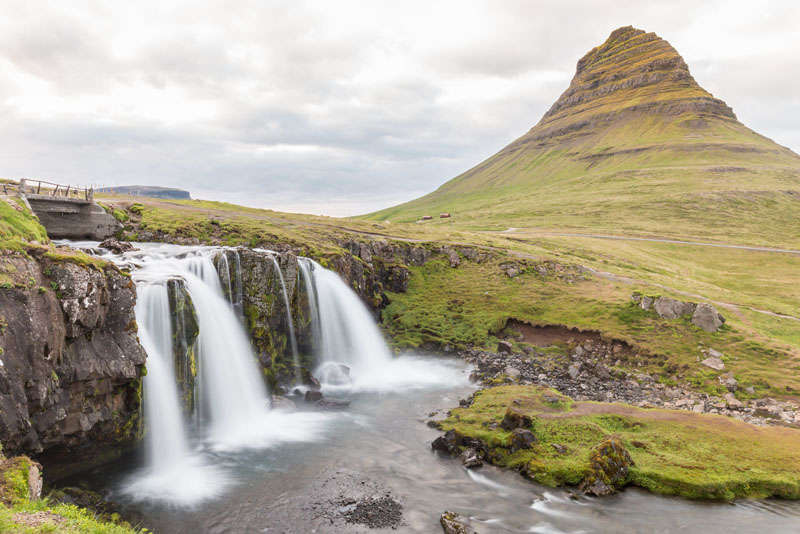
69,218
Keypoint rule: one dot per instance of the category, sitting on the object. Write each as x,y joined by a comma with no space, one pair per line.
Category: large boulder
671,308
522,438
448,443
707,317
608,468
515,419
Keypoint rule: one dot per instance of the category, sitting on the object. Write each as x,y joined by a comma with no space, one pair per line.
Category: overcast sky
338,107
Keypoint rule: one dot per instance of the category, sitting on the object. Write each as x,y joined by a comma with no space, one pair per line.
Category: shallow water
382,437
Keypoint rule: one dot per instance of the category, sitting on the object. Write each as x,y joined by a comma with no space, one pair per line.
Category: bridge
68,212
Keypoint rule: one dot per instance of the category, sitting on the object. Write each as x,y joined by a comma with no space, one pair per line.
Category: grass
16,508
697,456
469,304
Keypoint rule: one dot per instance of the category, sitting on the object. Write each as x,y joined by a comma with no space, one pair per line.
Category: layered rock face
632,72
71,364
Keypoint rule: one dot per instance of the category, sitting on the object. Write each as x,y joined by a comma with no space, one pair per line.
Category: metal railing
40,187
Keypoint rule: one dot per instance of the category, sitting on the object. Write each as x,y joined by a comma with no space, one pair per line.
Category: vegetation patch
698,456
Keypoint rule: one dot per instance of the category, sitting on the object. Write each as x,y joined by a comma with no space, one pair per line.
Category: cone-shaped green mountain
633,145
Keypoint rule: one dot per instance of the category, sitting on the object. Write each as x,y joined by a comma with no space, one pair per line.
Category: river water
381,442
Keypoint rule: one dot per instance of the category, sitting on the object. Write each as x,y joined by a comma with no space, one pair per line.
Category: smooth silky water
264,478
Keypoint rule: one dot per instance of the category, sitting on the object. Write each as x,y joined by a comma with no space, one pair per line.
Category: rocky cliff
70,365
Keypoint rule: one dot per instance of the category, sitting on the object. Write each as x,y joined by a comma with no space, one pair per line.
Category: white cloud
291,104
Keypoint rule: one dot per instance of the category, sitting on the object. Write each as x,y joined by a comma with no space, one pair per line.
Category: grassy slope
675,453
466,305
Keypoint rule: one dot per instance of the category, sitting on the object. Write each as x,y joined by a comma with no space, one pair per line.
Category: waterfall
167,442
352,353
290,322
349,338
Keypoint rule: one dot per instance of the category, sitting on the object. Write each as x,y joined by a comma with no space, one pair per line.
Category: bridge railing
41,187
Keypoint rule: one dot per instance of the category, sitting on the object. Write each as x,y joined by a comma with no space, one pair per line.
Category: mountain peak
632,71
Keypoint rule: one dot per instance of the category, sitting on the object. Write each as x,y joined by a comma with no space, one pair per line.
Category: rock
455,261
117,247
646,303
750,390
714,353
504,347
279,402
714,363
512,271
515,419
470,458
550,398
729,382
513,372
72,363
671,308
560,449
608,468
333,404
453,523
448,443
313,396
732,401
522,439
574,371
706,317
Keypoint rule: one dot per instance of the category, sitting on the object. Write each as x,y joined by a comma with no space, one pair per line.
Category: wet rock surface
453,523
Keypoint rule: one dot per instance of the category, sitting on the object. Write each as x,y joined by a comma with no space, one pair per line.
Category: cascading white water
290,322
352,353
167,443
232,398
231,389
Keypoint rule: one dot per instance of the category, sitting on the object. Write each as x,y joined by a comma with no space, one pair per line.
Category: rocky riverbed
589,372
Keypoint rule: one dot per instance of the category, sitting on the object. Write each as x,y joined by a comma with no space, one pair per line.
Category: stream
382,442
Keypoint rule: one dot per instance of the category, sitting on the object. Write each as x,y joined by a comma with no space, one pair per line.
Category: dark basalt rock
608,468
70,379
448,443
117,247
313,396
522,439
514,419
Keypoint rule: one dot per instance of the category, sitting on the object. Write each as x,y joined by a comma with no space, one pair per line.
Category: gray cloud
287,105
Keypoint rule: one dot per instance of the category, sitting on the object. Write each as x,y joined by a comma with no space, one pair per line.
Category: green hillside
636,146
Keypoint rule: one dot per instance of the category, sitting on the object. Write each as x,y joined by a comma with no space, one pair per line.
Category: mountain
152,191
633,145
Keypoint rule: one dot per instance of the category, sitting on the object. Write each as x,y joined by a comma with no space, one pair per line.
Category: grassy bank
470,305
21,515
674,452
